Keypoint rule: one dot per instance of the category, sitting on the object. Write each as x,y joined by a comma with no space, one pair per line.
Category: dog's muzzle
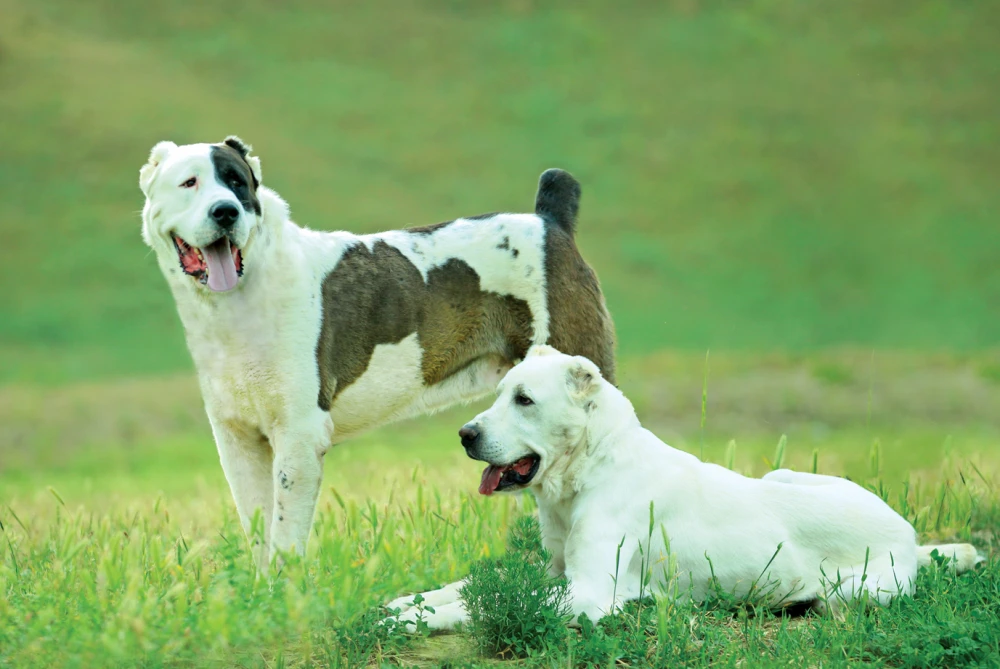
496,477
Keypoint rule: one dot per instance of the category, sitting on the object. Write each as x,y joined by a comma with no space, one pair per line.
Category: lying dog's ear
156,156
541,349
583,378
244,150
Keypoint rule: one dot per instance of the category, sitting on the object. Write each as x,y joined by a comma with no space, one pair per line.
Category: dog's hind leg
961,557
246,461
878,582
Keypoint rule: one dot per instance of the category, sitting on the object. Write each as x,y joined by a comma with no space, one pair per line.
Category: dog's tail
961,557
558,199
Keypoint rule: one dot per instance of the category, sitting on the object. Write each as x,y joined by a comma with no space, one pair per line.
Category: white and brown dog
561,431
302,339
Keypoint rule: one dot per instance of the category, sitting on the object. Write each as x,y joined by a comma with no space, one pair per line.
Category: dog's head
202,209
537,427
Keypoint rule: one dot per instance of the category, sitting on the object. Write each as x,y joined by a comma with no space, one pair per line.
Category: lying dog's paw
406,621
402,604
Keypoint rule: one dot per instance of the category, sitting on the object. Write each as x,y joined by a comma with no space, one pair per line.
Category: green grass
778,176
120,547
106,574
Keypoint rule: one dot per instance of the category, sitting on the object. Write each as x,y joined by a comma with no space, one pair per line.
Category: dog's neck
609,415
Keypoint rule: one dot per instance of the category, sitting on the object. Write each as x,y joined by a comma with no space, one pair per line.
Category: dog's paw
405,622
394,624
401,604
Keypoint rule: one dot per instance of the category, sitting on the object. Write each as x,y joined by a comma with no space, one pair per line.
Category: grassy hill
757,175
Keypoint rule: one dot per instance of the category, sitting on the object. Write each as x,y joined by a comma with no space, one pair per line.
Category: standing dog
302,339
572,439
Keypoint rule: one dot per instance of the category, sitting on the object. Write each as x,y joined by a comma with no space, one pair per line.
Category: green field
807,190
770,176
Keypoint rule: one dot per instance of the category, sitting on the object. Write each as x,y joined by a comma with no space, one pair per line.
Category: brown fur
579,322
379,297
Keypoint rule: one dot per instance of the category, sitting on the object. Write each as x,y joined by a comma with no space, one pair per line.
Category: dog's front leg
297,476
595,589
441,609
246,461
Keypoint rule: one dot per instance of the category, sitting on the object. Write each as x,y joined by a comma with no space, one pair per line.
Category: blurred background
792,206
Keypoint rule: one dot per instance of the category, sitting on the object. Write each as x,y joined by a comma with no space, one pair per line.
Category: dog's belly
392,388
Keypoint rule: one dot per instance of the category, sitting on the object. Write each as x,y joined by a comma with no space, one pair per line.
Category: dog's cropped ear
583,378
244,150
541,349
156,156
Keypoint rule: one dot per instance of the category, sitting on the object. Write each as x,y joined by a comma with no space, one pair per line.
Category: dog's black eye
523,400
190,183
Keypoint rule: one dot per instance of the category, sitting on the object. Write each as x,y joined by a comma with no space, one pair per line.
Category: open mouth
503,477
219,265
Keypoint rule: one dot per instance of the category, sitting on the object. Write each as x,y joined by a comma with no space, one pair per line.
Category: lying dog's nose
225,214
469,435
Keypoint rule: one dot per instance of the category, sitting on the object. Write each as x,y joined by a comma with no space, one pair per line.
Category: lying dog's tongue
493,475
221,266
491,479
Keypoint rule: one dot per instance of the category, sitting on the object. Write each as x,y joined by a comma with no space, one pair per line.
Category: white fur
255,346
600,471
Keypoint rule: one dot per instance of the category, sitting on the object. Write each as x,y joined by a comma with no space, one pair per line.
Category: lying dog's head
202,209
537,426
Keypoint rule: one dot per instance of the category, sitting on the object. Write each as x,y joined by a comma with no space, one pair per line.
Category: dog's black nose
469,435
225,214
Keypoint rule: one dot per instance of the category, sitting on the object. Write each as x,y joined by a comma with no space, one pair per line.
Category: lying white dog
573,439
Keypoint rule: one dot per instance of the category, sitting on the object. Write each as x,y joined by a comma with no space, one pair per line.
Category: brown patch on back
579,322
379,297
465,322
429,229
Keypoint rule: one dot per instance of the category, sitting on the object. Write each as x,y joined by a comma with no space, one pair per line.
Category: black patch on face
233,171
379,297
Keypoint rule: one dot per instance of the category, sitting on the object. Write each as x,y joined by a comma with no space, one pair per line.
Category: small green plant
515,608
594,647
355,642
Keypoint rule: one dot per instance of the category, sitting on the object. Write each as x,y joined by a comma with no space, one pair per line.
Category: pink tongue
221,266
491,479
